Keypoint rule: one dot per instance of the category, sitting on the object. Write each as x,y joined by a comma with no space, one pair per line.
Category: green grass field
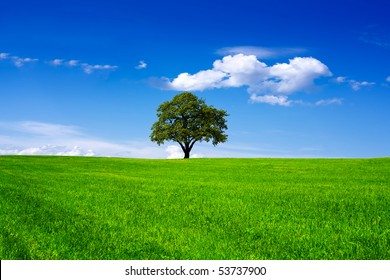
108,208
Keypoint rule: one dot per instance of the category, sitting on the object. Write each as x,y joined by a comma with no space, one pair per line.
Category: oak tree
186,119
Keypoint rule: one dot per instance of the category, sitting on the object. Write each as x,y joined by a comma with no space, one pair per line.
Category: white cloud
41,129
141,65
72,62
282,100
56,62
4,55
83,147
341,79
241,70
19,61
175,152
271,99
86,67
377,35
325,102
299,74
246,70
232,71
16,60
199,81
30,137
355,85
49,150
196,155
264,82
259,52
62,62
89,68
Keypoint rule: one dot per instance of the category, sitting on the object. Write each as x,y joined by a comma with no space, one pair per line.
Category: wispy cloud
355,85
141,65
49,150
89,68
260,52
86,67
56,62
283,100
38,138
44,129
72,63
388,79
17,60
326,102
376,35
4,55
271,99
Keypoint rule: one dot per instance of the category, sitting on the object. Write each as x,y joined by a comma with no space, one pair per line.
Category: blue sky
298,78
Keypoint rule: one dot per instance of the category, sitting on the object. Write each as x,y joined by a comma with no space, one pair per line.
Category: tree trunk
186,147
187,153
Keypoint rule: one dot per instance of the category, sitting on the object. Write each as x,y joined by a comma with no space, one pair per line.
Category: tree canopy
186,119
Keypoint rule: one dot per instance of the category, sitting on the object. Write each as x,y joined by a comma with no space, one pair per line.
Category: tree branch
181,145
192,144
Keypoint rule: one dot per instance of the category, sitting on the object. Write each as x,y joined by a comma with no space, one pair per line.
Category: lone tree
186,119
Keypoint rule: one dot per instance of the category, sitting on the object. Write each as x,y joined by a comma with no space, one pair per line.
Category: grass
108,208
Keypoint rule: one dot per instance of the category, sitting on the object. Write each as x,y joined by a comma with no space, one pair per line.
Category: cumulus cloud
265,83
241,70
355,85
199,81
141,65
246,70
299,74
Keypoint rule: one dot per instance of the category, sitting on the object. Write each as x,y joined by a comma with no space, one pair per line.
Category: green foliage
108,208
186,119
